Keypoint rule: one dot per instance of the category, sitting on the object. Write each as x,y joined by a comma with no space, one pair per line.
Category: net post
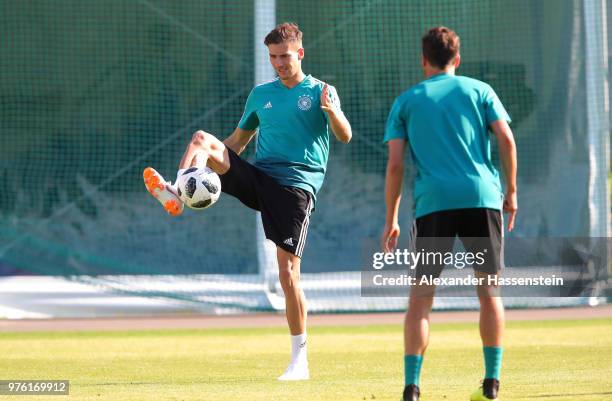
598,123
598,110
265,20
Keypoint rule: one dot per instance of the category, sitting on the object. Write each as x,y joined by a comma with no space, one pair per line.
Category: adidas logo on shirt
288,241
268,105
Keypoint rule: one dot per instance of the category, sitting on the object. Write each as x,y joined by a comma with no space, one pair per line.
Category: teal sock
493,360
412,369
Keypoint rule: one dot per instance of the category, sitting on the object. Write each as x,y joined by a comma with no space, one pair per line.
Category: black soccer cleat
490,388
411,393
487,392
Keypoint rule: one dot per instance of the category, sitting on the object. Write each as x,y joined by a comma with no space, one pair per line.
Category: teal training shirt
293,138
445,120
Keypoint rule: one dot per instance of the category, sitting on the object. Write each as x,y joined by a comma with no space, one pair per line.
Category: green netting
94,91
371,51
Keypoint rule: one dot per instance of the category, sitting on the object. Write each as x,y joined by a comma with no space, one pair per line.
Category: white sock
298,348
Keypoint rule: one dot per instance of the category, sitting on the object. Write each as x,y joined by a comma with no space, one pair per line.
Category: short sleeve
494,108
249,120
396,123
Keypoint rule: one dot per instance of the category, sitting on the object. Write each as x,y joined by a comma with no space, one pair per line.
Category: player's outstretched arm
507,154
239,139
338,122
393,193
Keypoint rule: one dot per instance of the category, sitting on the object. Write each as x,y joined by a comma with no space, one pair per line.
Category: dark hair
440,46
285,32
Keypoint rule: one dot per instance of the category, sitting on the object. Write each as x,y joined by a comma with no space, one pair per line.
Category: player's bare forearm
507,153
337,120
239,139
340,125
393,194
394,179
393,191
232,143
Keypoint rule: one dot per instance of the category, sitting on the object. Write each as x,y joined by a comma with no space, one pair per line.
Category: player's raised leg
203,149
491,332
295,302
206,150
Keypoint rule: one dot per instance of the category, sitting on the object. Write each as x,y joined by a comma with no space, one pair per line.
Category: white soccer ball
198,188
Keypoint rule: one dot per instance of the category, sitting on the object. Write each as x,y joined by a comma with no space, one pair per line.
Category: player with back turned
445,120
293,114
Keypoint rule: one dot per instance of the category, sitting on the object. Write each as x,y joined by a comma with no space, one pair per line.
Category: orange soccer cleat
161,190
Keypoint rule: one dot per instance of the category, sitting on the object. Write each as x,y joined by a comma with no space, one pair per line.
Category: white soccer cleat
296,371
158,187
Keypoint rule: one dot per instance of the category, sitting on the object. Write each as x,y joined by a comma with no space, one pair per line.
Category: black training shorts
479,229
285,211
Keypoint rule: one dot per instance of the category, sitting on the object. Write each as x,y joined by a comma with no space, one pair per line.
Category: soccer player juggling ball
293,114
445,121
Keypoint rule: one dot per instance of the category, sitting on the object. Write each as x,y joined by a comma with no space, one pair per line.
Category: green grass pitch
546,360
